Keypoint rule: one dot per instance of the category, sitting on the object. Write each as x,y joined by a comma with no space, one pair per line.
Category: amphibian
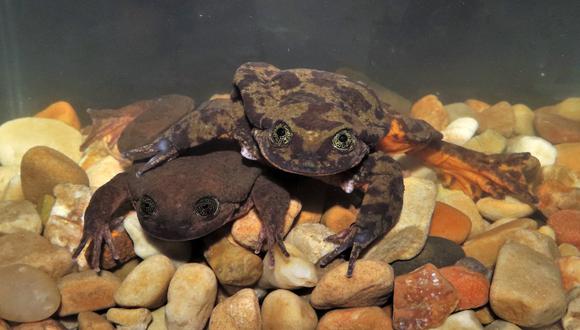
322,125
185,199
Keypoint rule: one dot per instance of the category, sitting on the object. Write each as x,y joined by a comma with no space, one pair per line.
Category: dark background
105,54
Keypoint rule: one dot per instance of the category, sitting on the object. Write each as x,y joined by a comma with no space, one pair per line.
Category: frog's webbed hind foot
350,237
271,239
97,235
162,150
476,173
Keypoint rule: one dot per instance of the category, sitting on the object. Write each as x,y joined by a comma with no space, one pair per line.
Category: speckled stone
284,310
438,251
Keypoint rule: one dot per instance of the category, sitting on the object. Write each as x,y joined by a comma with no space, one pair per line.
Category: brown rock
93,321
338,218
450,223
570,270
240,311
499,117
34,250
566,224
49,324
42,168
423,299
87,291
370,284
431,110
554,127
284,310
357,318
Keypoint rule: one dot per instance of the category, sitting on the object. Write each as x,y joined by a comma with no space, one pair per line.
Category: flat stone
437,251
431,110
76,287
19,135
191,297
284,310
489,142
554,127
36,251
133,319
423,299
570,270
146,286
449,223
290,272
370,284
18,216
42,168
499,117
566,224
465,320
509,207
371,317
462,202
524,120
526,288
472,287
543,150
460,130
310,239
231,263
93,321
485,247
338,218
240,311
28,294
408,236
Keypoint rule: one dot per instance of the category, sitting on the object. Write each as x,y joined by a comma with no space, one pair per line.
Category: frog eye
281,134
343,140
147,205
206,206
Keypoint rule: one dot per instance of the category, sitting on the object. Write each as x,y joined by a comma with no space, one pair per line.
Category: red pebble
423,299
472,288
566,224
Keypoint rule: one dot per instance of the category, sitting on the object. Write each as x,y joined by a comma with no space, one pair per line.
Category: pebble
477,105
475,266
554,127
438,251
288,272
48,324
568,156
499,117
240,311
485,315
13,190
460,130
450,223
309,238
488,142
567,249
543,150
566,224
76,287
338,218
571,321
354,318
536,241
125,269
370,284
231,263
28,294
485,247
134,319
472,288
465,320
146,286
462,202
64,226
408,236
526,288
570,270
548,231
6,174
36,251
93,321
501,325
459,110
17,216
431,110
524,120
146,246
103,171
559,190
62,111
494,209
569,108
158,322
246,230
284,310
42,168
191,297
45,207
19,135
423,299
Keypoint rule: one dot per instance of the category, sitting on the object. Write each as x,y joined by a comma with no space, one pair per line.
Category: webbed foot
162,151
351,237
97,235
271,239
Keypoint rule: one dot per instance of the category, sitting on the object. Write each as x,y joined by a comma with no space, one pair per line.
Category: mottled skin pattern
172,200
313,123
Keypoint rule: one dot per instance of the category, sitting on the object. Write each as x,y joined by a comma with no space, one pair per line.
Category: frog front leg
100,218
379,211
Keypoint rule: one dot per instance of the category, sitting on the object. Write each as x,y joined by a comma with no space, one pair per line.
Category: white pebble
460,130
543,150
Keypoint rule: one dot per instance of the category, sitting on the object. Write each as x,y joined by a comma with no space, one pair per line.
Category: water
103,54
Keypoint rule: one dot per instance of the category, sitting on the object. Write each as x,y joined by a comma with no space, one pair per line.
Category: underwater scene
289,165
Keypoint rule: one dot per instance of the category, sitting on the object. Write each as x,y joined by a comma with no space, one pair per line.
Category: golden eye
206,206
147,206
281,134
343,140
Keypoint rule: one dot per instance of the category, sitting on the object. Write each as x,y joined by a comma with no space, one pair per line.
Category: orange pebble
472,288
431,110
450,223
477,105
62,111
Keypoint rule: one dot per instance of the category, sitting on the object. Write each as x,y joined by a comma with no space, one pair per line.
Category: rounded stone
543,150
499,117
460,130
509,207
233,264
240,311
566,224
310,239
431,110
488,142
338,218
28,294
438,251
284,310
556,128
450,223
371,317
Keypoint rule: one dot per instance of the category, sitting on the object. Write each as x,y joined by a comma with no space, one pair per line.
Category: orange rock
477,105
431,110
338,218
568,156
570,270
62,111
357,318
566,224
472,288
450,223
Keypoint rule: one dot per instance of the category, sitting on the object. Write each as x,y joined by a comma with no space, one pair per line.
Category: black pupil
206,206
281,131
343,138
147,205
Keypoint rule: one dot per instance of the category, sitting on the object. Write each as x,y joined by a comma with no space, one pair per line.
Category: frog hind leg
271,202
477,174
379,211
100,218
